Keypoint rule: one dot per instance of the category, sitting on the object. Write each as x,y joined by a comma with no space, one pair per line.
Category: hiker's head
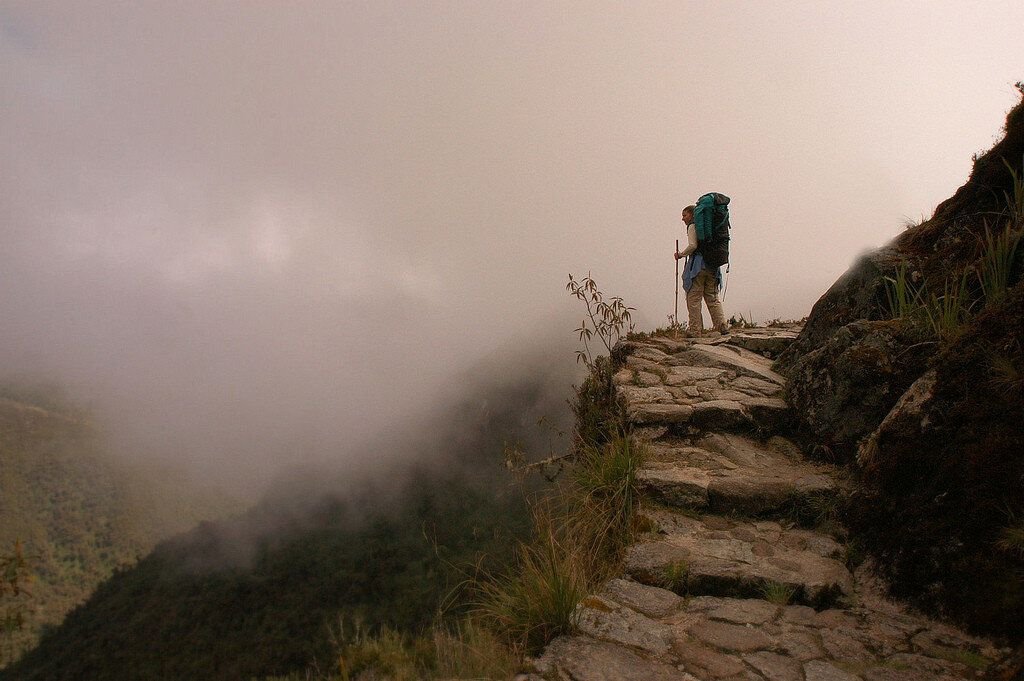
688,215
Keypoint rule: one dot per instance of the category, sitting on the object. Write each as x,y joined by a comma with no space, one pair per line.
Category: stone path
739,577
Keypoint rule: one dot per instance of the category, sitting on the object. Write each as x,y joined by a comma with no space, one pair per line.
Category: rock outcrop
843,388
735,579
931,422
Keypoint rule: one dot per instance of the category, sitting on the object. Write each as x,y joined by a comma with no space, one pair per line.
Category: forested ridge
77,511
277,589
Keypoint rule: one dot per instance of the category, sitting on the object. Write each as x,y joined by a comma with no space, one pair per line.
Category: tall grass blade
997,261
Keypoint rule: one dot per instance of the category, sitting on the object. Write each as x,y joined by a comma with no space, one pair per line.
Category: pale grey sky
253,220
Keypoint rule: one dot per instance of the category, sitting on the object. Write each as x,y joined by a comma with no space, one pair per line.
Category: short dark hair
690,209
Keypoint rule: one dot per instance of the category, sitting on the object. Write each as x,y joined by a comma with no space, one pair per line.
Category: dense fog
252,236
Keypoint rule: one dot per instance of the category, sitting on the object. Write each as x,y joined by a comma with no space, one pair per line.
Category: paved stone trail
730,502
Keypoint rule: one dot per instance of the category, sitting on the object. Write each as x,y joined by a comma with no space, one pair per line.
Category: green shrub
599,416
582,528
388,652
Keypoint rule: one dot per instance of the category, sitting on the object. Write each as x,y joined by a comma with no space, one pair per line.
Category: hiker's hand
678,255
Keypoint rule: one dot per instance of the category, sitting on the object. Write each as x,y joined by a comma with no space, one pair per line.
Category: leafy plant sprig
606,319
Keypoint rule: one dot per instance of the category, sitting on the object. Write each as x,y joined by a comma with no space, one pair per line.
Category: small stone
744,611
731,636
744,534
842,647
639,396
651,354
800,614
648,600
717,523
816,670
643,413
775,667
837,619
802,645
648,379
703,661
601,619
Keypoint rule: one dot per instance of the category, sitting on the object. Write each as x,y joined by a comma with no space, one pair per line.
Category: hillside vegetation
77,512
287,586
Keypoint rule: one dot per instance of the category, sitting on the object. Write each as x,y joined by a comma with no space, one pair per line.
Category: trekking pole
675,319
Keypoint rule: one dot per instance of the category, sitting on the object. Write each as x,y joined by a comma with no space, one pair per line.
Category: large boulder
858,294
944,478
843,389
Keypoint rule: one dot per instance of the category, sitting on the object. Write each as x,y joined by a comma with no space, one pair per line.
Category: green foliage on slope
78,512
205,606
266,594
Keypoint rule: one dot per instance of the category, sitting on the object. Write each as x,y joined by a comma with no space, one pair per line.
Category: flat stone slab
716,555
604,619
647,600
767,342
725,356
728,473
583,659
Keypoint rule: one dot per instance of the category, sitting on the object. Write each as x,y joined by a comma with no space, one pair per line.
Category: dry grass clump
581,531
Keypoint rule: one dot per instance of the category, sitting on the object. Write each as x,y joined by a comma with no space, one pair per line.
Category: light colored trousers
705,287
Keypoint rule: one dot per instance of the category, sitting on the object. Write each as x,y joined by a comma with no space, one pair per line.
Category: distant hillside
79,512
264,594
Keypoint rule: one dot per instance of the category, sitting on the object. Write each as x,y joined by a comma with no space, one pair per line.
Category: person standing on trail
700,282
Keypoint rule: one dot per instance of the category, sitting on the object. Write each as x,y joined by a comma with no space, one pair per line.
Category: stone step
720,556
767,342
706,387
733,474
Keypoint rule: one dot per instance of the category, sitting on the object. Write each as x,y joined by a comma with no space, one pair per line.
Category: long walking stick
676,256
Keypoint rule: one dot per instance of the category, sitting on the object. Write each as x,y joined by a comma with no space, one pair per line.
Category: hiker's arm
691,241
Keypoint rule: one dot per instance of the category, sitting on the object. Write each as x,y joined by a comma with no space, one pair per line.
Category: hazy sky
246,225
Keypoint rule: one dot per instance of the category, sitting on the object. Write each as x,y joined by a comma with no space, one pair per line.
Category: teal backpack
711,219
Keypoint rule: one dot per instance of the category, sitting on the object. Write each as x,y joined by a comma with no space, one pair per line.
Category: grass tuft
606,496
1006,377
947,313
1011,539
537,601
998,259
777,593
676,577
905,298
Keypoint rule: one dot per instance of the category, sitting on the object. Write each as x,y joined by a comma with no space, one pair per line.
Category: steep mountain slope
264,594
924,397
78,512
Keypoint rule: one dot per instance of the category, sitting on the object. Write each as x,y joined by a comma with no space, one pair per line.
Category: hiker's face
687,217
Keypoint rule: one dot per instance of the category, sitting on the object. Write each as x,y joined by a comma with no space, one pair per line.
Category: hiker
700,281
